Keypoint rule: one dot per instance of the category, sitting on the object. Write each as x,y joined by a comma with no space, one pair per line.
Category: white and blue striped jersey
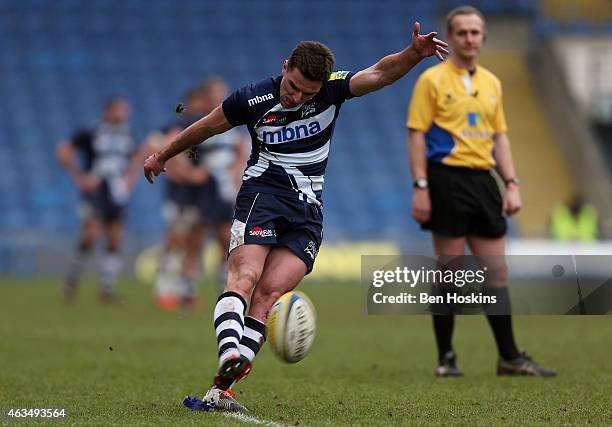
290,146
107,149
107,153
218,156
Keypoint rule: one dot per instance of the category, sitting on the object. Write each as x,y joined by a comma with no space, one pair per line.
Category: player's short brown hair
461,10
314,60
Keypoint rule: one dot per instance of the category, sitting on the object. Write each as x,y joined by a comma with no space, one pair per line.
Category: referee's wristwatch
420,183
514,180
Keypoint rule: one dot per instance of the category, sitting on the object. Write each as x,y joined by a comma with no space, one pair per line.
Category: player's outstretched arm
212,124
392,67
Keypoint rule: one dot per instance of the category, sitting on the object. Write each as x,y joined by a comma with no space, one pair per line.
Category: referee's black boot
523,365
447,366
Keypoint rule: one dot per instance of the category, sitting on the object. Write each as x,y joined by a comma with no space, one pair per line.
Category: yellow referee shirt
459,113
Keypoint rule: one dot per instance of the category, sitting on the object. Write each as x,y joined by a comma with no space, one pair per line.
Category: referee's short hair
462,10
314,60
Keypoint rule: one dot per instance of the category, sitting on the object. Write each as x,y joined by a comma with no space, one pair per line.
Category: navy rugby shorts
101,205
268,219
181,204
214,209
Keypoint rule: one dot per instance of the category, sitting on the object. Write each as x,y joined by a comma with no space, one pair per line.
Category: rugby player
455,121
277,227
224,157
106,177
200,195
179,261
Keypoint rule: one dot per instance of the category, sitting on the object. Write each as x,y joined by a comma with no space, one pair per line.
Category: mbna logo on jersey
289,133
257,99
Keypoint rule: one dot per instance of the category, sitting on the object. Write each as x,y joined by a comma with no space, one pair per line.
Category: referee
456,121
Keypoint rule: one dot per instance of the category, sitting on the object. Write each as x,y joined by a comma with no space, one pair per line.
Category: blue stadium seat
62,61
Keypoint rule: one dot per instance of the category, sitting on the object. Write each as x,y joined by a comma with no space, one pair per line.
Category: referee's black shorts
464,202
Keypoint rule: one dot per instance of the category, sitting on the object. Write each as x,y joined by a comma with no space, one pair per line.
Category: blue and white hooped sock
229,324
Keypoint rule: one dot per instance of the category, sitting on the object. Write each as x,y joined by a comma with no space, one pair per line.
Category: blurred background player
200,195
190,177
456,120
104,164
224,157
179,258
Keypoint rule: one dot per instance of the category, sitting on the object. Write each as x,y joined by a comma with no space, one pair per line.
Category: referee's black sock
443,329
504,337
500,319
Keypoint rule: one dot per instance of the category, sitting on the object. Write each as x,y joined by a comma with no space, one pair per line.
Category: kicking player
277,226
106,179
456,120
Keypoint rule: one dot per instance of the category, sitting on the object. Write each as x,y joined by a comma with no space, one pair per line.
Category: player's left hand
153,166
512,201
428,45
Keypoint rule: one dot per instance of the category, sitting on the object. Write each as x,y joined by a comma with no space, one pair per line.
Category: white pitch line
253,420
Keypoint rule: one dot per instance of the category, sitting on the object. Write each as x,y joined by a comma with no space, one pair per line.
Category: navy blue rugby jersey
107,149
290,146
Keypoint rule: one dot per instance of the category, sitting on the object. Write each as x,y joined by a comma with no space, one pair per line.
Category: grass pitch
132,364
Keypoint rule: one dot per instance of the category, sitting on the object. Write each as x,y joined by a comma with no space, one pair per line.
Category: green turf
362,370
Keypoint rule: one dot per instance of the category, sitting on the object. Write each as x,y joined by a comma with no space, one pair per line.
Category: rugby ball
291,327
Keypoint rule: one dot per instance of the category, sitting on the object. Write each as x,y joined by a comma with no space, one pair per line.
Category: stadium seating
62,60
584,17
536,154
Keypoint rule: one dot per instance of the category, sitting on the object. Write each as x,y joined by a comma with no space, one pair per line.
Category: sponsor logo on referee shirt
474,119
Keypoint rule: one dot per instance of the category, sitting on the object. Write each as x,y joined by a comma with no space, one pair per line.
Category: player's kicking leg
282,272
246,264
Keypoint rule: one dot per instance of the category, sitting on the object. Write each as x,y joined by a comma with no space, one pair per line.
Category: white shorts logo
311,249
